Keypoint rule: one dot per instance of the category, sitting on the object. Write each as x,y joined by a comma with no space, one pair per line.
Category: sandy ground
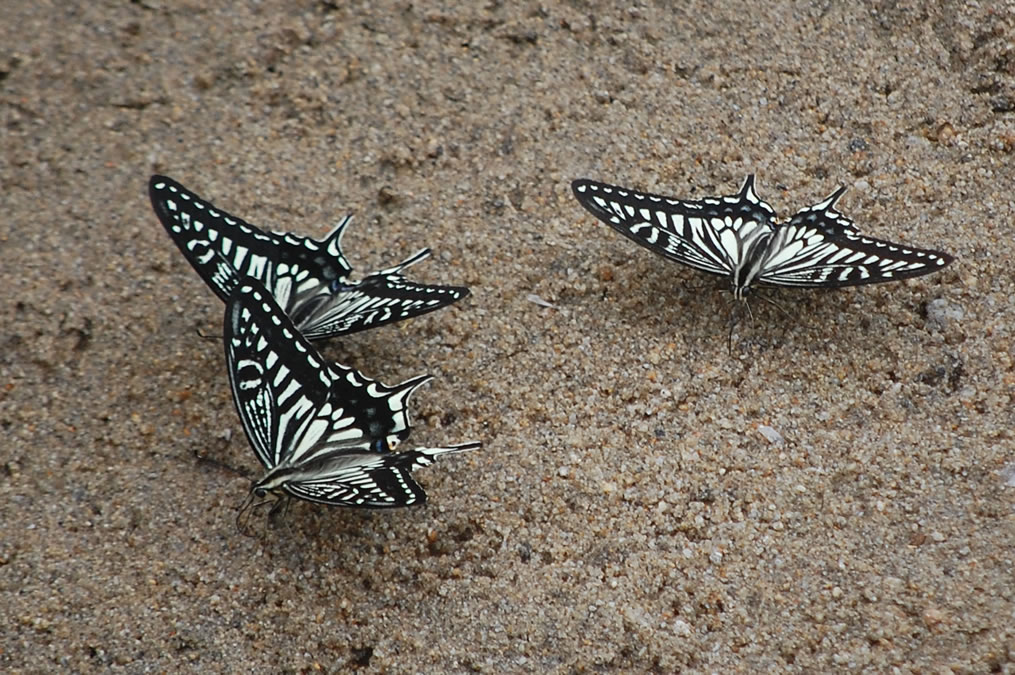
632,509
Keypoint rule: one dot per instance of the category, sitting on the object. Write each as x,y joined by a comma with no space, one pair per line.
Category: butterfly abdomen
754,248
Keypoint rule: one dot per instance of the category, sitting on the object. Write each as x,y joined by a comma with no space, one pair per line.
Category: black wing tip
948,259
156,195
157,178
584,189
578,186
748,185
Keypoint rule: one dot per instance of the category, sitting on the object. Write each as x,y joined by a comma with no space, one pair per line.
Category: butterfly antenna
734,318
201,334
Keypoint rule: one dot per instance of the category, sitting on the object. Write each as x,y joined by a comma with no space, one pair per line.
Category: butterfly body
310,279
739,237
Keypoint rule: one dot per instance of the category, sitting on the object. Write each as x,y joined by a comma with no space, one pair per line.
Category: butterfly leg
775,304
243,515
201,334
249,505
219,464
280,510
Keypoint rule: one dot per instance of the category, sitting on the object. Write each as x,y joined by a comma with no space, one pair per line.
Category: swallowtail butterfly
324,433
310,279
739,237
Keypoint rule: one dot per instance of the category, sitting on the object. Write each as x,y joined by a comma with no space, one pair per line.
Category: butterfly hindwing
381,298
372,480
819,247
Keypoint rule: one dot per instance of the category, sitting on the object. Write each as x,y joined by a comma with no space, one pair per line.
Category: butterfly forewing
706,234
310,279
290,400
322,431
278,384
198,227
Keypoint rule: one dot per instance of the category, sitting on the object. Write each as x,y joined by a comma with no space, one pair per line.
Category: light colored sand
627,512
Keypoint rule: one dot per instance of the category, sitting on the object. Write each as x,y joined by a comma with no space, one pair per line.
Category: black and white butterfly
739,237
310,279
324,433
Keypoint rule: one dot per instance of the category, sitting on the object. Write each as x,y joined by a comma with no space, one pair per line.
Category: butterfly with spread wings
739,237
324,433
310,279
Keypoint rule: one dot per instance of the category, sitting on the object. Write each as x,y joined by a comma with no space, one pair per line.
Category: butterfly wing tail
333,242
422,457
416,257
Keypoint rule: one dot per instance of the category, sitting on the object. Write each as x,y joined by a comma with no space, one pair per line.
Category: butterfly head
341,286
